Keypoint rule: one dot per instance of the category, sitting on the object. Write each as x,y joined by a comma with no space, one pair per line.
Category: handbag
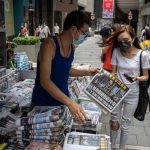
143,97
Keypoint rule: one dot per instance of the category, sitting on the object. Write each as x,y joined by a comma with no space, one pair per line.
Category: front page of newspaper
107,90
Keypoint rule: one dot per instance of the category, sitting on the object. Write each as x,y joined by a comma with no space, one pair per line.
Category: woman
126,61
54,66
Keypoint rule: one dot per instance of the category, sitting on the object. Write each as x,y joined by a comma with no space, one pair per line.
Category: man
44,32
56,29
54,66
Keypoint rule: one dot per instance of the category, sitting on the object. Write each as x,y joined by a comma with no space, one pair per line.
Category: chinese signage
106,90
108,8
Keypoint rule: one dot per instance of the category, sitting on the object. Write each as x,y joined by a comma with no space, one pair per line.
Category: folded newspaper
84,141
107,90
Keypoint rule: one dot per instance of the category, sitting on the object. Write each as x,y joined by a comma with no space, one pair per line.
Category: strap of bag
141,72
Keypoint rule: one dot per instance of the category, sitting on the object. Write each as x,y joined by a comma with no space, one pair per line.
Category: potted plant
28,44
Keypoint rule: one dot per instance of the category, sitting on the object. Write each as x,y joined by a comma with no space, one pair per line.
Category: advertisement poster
108,9
106,90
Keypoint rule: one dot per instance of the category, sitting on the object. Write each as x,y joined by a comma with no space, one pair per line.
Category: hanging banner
108,9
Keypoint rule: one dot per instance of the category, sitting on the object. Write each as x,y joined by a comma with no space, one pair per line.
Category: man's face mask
125,45
80,40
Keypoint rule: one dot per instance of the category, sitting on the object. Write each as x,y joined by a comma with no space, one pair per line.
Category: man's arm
47,53
90,71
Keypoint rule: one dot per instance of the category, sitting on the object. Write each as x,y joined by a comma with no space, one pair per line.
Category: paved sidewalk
139,133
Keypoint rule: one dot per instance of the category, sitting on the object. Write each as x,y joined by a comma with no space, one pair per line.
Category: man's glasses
84,33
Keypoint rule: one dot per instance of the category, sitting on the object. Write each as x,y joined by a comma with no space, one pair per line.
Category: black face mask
124,45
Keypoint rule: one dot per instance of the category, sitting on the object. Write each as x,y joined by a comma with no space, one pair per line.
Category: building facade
18,12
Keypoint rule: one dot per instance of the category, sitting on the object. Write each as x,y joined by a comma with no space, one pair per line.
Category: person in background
146,42
142,36
54,66
37,30
23,31
44,32
126,64
56,29
105,32
107,50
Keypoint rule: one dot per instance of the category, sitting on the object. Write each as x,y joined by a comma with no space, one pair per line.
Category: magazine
107,90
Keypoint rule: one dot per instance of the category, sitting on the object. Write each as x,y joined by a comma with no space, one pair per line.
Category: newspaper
107,90
83,141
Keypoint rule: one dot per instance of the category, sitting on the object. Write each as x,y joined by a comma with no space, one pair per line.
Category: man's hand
92,71
77,112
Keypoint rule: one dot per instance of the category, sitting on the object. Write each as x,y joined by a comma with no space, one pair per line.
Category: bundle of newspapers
36,145
43,123
93,114
83,141
20,93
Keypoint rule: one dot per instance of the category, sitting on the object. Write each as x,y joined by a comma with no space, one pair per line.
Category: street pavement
139,132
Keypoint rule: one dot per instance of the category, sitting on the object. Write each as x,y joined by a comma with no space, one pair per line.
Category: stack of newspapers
46,124
84,141
93,114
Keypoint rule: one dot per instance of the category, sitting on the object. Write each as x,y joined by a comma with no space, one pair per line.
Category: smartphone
128,77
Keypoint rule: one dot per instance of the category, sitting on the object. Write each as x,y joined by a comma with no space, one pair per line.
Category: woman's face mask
125,45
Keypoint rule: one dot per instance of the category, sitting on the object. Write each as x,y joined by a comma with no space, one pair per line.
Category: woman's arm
144,77
114,69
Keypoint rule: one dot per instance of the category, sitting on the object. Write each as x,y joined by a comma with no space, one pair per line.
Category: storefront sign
108,8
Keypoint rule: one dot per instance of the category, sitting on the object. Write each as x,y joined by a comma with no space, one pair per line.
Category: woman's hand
77,112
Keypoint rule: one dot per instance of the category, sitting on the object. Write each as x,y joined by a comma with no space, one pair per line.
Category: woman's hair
123,28
76,18
115,27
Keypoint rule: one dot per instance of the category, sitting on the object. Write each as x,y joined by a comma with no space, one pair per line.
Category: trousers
123,114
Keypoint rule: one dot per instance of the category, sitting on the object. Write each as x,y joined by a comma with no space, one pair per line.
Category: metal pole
31,25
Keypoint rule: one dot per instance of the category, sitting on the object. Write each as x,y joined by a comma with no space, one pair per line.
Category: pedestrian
54,66
44,32
126,62
142,36
107,50
37,30
56,29
23,31
146,42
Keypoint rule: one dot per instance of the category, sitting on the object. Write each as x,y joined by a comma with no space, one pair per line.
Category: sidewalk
139,133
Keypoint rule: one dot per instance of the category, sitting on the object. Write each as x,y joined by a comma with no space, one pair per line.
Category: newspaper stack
21,59
83,141
43,123
20,93
8,78
41,145
93,113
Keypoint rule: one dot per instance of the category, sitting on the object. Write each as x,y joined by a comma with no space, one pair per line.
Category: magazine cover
107,90
83,141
